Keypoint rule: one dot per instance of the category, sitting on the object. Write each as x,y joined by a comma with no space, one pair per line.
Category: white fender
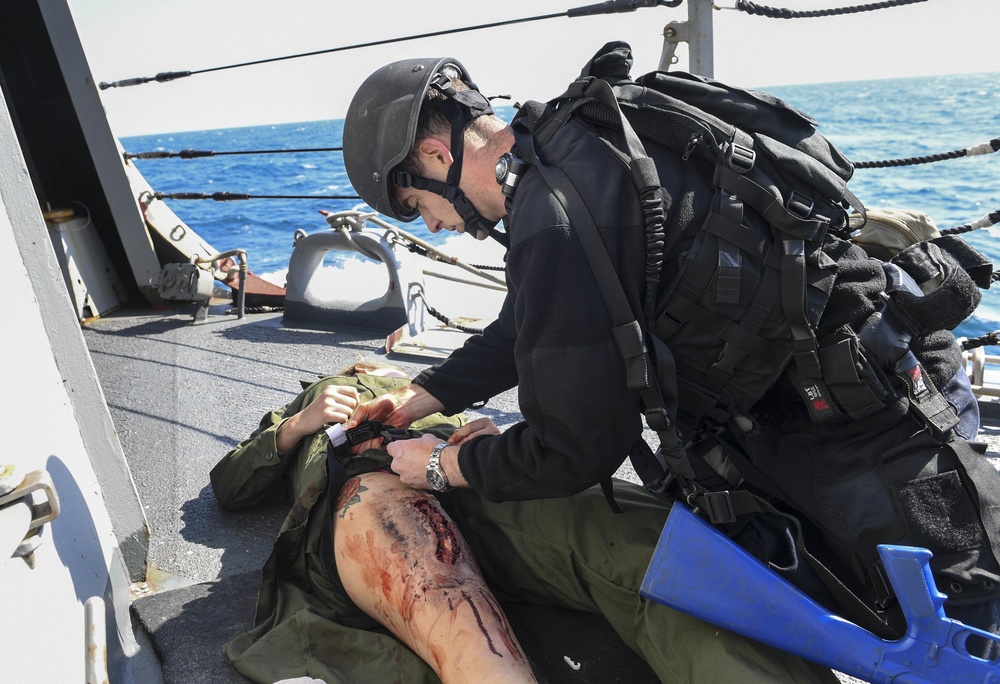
313,296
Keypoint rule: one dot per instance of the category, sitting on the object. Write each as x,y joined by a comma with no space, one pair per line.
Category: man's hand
398,408
475,428
334,405
410,458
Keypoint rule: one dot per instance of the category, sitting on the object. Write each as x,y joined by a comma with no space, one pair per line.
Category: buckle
740,158
369,429
401,179
657,419
799,205
718,506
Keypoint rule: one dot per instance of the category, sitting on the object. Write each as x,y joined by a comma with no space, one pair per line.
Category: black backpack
757,279
755,284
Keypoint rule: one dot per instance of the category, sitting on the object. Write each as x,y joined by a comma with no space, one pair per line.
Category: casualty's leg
403,561
576,553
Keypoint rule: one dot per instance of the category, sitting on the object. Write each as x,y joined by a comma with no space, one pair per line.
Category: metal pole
701,48
96,641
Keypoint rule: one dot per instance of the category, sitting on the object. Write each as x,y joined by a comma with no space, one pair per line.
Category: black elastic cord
196,154
232,196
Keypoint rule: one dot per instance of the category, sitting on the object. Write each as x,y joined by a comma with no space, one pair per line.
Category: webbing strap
647,181
807,375
925,399
768,205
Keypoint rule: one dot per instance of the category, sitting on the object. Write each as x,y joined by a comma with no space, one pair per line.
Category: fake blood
448,549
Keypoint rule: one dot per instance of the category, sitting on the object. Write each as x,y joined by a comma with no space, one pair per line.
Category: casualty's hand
333,405
410,458
475,428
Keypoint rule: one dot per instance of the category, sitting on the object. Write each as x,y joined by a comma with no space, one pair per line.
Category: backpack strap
659,410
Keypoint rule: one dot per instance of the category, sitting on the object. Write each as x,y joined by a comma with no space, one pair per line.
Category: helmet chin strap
466,106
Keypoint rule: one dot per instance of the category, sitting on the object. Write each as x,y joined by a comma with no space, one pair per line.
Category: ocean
867,120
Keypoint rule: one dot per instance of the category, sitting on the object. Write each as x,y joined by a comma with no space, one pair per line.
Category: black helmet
381,127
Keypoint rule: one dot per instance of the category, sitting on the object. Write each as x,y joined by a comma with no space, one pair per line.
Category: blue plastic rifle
698,570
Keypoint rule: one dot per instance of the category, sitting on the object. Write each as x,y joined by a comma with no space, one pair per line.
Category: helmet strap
466,106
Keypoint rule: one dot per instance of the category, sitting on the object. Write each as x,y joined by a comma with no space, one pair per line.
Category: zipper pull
692,144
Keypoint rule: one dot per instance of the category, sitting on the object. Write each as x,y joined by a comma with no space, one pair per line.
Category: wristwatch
435,473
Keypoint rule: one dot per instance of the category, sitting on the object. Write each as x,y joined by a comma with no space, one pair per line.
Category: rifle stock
699,570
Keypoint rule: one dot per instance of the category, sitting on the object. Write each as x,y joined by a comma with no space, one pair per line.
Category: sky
132,38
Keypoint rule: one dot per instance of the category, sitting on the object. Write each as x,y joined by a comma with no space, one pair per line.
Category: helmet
381,127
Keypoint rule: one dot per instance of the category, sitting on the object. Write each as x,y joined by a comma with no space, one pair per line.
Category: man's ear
434,154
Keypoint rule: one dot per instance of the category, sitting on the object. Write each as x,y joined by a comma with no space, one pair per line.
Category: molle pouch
858,386
949,274
948,500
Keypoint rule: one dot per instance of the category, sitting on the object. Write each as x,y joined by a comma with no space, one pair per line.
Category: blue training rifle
698,570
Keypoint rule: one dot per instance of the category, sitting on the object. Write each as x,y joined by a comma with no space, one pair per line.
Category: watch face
436,480
503,164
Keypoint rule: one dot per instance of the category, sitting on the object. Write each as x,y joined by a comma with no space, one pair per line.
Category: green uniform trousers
577,553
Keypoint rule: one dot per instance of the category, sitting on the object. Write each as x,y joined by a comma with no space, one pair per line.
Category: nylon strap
627,332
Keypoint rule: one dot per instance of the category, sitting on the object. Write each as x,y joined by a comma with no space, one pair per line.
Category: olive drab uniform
571,552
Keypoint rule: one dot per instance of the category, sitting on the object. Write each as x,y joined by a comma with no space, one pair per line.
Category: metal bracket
41,513
673,33
46,511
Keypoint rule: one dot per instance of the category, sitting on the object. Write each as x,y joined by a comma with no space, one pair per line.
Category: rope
259,309
444,319
232,196
781,13
194,154
984,222
609,7
984,148
989,339
421,251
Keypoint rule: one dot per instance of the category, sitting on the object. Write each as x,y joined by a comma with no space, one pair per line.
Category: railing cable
233,196
195,154
984,148
609,7
989,339
990,219
782,13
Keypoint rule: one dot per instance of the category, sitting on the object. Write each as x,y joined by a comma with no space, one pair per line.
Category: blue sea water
867,120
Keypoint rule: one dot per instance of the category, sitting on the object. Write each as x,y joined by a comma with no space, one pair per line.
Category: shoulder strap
627,332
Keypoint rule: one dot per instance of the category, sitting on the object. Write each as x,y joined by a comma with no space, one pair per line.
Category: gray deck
181,396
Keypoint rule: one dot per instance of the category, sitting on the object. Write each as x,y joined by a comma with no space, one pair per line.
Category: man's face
437,212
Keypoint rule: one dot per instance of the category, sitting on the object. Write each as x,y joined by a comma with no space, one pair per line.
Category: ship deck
183,394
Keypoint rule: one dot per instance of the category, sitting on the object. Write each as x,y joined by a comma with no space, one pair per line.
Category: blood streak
449,549
479,621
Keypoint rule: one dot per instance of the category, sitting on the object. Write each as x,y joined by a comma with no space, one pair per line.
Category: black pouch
949,277
948,498
859,387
